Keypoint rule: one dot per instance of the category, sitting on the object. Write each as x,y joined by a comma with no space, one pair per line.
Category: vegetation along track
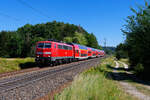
34,85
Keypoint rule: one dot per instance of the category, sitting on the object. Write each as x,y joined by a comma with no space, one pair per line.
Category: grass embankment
94,84
13,64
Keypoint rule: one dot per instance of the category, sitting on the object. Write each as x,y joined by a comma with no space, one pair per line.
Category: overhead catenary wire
34,9
8,16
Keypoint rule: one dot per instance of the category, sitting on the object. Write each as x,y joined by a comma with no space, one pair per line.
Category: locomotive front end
43,52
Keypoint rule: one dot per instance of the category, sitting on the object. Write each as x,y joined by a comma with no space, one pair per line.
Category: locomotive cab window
44,45
70,48
47,45
60,47
65,47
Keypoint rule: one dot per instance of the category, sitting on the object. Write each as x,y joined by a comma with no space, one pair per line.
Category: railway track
10,74
50,78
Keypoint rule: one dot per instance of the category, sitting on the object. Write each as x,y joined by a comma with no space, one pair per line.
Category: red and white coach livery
81,52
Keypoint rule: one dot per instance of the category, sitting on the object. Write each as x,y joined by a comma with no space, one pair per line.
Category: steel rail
36,76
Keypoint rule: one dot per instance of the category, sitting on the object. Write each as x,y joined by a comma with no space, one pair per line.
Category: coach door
77,53
55,50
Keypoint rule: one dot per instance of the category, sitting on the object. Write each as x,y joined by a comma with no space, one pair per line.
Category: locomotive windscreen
44,45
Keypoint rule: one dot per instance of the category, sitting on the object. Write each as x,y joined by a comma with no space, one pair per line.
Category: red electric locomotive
53,52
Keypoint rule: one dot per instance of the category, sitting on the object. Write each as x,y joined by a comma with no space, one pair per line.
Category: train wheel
70,60
57,62
64,61
53,63
60,61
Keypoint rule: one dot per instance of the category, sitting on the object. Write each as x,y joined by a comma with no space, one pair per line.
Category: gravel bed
10,74
40,88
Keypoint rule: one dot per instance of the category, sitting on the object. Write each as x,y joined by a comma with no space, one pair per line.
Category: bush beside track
94,84
14,64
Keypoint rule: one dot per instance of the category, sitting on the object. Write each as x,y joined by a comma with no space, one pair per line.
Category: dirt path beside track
124,65
128,88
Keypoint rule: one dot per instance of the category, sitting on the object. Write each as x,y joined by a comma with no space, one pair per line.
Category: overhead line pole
105,41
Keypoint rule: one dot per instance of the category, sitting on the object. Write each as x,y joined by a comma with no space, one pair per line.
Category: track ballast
32,86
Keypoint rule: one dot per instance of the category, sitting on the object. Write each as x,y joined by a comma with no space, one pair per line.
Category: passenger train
55,52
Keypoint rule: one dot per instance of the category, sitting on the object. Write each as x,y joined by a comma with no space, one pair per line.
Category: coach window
77,51
65,47
89,52
55,46
60,46
70,48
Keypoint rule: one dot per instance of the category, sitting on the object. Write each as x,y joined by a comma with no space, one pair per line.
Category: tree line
137,44
21,43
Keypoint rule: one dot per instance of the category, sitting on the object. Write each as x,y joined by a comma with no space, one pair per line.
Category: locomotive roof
55,42
63,44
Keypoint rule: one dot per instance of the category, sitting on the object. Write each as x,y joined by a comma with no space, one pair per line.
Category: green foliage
9,44
79,38
139,68
109,50
21,43
92,41
137,31
121,51
68,39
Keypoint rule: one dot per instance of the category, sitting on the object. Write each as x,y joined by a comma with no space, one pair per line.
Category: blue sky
104,18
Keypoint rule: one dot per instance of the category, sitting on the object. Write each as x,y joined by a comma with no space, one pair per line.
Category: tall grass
94,85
